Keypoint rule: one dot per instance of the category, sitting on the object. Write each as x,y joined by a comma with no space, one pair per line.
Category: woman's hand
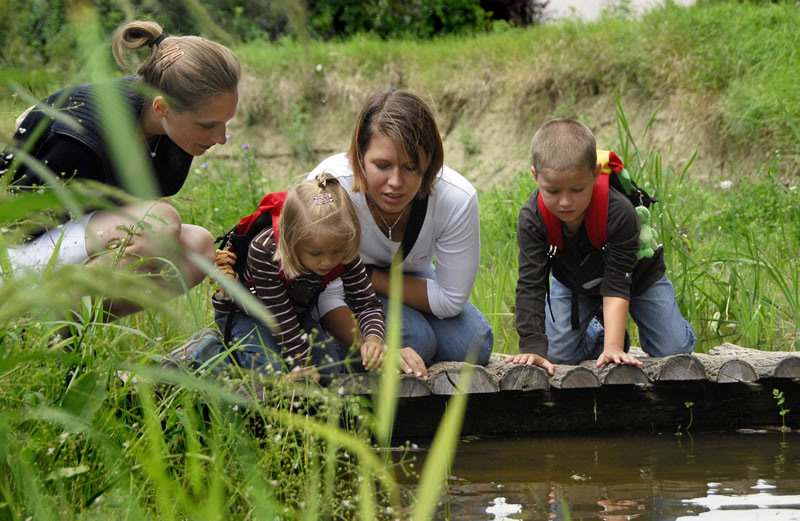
372,351
412,363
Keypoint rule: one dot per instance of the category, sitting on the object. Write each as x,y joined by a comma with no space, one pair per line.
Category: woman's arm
457,249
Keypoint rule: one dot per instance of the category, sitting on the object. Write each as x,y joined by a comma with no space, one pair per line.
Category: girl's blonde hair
187,70
320,207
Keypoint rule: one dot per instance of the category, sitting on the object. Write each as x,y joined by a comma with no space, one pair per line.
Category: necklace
389,228
155,148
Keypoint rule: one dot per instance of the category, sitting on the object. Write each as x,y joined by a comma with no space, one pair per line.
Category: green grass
87,445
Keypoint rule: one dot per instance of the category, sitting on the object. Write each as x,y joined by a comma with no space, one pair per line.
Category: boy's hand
412,363
532,359
617,357
372,353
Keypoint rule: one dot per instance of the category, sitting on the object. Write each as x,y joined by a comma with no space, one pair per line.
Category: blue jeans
662,329
256,348
446,339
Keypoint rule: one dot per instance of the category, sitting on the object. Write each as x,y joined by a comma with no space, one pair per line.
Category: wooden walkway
731,387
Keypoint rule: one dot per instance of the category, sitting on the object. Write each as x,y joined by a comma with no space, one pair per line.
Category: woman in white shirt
407,199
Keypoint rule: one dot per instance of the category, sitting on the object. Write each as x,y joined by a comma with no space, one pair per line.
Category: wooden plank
573,377
515,377
444,379
767,364
682,367
525,378
369,383
727,370
657,407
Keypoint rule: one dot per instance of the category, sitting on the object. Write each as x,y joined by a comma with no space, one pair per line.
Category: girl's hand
412,363
372,353
297,373
532,359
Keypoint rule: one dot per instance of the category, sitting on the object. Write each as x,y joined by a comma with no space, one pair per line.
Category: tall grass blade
440,457
390,379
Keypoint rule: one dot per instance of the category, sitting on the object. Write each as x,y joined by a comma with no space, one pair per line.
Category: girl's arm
361,299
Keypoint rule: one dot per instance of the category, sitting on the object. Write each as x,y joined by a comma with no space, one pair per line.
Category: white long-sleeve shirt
450,234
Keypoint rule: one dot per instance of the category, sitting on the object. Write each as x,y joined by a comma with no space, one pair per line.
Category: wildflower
22,130
346,503
319,67
126,444
725,184
227,136
235,407
50,451
246,146
277,437
204,166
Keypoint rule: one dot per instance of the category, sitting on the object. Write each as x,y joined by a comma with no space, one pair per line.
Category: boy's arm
615,316
532,280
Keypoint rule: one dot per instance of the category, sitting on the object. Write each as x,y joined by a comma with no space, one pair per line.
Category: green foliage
395,18
780,399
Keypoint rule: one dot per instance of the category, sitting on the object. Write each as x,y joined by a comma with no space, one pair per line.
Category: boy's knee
681,342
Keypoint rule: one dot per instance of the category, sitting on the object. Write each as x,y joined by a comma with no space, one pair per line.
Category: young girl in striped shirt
315,237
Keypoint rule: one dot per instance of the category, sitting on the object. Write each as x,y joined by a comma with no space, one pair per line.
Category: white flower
22,130
50,451
319,67
725,184
278,437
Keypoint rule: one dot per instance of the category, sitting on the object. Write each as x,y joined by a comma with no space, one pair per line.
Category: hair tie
157,40
323,198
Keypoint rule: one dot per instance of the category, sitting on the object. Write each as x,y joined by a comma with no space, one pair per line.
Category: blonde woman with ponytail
180,98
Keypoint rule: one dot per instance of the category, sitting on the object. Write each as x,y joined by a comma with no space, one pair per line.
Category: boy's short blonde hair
319,207
563,144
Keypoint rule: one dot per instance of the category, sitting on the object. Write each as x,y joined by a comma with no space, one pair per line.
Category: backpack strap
596,216
419,207
552,224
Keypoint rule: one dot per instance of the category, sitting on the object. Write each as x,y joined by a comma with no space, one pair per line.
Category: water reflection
659,477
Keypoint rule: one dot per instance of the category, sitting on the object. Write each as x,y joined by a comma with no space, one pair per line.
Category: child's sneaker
204,345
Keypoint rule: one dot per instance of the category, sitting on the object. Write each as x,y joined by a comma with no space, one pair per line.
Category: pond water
730,476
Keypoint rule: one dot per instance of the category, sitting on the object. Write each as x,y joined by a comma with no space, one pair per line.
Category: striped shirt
286,303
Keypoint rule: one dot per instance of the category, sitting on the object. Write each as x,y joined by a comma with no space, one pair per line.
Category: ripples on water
659,477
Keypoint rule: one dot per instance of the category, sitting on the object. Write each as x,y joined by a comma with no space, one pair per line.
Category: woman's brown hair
185,69
409,123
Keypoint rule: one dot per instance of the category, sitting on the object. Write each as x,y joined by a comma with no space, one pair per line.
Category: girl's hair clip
323,198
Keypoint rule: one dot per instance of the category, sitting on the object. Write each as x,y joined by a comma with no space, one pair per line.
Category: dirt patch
487,136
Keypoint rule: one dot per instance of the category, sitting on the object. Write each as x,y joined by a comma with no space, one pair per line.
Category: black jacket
612,271
83,153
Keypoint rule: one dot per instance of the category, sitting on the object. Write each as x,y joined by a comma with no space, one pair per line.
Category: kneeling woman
406,198
180,99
